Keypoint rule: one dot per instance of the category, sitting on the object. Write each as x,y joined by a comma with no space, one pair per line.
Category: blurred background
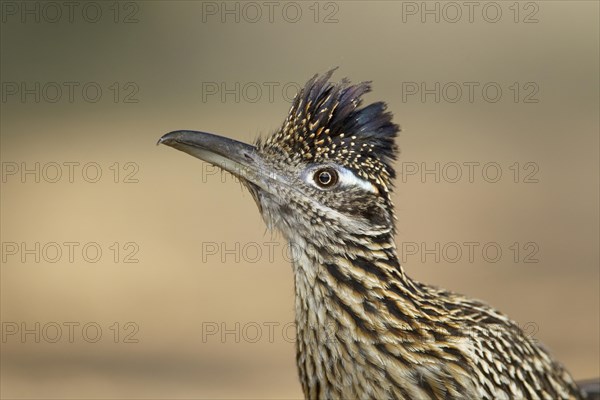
136,271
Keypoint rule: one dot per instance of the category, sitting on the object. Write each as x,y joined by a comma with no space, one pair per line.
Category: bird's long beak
238,158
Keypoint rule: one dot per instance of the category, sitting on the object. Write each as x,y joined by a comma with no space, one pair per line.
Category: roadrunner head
329,165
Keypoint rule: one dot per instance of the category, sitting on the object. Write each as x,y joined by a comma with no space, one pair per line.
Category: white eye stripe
348,178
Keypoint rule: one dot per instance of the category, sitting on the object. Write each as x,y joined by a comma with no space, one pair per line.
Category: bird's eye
326,177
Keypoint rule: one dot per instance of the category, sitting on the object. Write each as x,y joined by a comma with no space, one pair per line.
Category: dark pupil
325,178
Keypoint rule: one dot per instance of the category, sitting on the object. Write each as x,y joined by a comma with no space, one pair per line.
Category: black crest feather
327,124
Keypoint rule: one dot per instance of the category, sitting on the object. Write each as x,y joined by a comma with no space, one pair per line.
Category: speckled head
326,124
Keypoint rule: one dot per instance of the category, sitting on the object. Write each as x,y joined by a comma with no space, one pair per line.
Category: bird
364,328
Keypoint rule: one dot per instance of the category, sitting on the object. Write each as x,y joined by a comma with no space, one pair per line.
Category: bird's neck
349,299
361,266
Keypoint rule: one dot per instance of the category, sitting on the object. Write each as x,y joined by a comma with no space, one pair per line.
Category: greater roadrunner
364,328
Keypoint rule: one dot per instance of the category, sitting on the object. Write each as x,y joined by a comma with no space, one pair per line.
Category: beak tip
168,138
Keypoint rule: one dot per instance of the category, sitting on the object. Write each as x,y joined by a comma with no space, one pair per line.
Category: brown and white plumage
364,328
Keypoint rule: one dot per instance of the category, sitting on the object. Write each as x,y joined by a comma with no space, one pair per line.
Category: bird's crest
327,124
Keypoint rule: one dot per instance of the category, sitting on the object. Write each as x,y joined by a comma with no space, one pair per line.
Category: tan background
179,208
